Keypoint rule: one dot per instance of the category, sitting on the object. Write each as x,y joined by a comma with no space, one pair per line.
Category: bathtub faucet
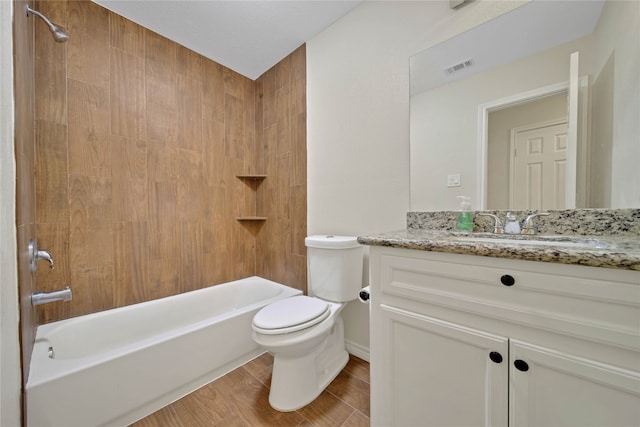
47,297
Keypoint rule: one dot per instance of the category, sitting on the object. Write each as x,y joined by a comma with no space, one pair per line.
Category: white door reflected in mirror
538,159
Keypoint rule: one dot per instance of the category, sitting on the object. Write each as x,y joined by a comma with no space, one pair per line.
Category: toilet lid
290,315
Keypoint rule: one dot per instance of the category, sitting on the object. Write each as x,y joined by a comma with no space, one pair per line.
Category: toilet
305,334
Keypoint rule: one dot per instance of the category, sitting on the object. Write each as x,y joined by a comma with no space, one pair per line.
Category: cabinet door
550,388
429,372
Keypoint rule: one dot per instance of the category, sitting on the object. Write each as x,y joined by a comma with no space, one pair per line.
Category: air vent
458,67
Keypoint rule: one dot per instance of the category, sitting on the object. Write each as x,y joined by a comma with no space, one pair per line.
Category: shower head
58,33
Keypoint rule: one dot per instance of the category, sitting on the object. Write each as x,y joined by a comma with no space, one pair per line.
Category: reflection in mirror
448,133
526,148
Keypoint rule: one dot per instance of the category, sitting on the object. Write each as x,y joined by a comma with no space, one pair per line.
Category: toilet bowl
306,360
305,334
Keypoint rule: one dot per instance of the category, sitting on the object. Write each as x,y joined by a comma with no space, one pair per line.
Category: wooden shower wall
139,142
24,142
281,140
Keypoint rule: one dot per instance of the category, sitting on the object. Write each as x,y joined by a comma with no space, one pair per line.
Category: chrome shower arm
58,33
44,18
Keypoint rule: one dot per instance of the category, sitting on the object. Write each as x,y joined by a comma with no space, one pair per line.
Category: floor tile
241,398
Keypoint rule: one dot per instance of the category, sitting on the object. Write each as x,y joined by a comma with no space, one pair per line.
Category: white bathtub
114,367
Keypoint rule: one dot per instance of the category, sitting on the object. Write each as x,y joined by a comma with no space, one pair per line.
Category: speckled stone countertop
597,238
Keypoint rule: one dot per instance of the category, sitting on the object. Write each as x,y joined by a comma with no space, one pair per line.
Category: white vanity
467,340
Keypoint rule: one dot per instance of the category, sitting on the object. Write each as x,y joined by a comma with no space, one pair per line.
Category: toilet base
298,381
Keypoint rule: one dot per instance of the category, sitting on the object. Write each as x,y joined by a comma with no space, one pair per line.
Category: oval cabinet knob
507,280
521,365
495,357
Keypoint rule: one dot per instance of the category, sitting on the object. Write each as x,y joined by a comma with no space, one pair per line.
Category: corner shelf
255,177
256,180
251,218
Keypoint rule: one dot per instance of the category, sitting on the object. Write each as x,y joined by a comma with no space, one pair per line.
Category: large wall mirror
505,114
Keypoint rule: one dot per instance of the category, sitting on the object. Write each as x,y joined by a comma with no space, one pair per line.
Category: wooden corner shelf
251,218
255,177
255,181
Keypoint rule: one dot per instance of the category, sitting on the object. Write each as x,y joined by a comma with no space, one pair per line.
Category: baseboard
357,350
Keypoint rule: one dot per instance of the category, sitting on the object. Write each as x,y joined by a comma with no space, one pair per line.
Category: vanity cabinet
428,372
460,340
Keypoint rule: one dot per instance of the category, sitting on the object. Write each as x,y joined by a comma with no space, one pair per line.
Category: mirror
463,90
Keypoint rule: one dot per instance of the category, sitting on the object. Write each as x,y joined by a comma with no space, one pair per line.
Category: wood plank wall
138,144
281,134
24,142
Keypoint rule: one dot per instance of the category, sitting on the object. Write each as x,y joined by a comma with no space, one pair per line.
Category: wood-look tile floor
241,398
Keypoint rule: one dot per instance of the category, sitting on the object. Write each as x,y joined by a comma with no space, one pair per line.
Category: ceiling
524,31
248,37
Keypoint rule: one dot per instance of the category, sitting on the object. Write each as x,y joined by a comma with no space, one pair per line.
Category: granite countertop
619,251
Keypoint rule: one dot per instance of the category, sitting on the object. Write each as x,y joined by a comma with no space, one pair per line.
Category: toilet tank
334,267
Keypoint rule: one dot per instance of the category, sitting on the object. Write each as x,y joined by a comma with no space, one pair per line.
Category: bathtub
114,367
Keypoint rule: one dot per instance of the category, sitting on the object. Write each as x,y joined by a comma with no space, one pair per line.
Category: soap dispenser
512,226
465,222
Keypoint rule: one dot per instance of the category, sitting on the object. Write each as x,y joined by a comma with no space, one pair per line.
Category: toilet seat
290,315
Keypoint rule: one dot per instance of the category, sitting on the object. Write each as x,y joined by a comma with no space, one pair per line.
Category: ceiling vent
458,67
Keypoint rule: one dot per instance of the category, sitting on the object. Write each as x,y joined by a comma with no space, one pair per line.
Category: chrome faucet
47,297
498,228
42,255
527,226
36,255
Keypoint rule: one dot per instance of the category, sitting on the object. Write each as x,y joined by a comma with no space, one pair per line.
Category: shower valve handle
42,255
36,255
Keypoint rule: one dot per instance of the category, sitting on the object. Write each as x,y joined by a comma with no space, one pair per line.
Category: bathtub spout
47,297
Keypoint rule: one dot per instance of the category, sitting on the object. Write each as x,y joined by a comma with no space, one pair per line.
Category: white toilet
305,334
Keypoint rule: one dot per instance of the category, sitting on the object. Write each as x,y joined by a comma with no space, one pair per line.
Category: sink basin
550,241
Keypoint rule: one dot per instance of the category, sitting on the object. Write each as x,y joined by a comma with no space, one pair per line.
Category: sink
549,241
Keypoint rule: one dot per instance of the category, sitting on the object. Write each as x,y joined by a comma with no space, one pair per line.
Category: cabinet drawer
599,304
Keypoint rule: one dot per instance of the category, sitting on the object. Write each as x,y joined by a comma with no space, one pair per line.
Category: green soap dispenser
465,221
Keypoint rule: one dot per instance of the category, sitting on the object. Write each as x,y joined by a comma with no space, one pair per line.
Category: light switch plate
453,180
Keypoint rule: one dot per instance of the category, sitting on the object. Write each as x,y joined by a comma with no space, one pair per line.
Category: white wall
358,119
617,39
357,132
10,377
